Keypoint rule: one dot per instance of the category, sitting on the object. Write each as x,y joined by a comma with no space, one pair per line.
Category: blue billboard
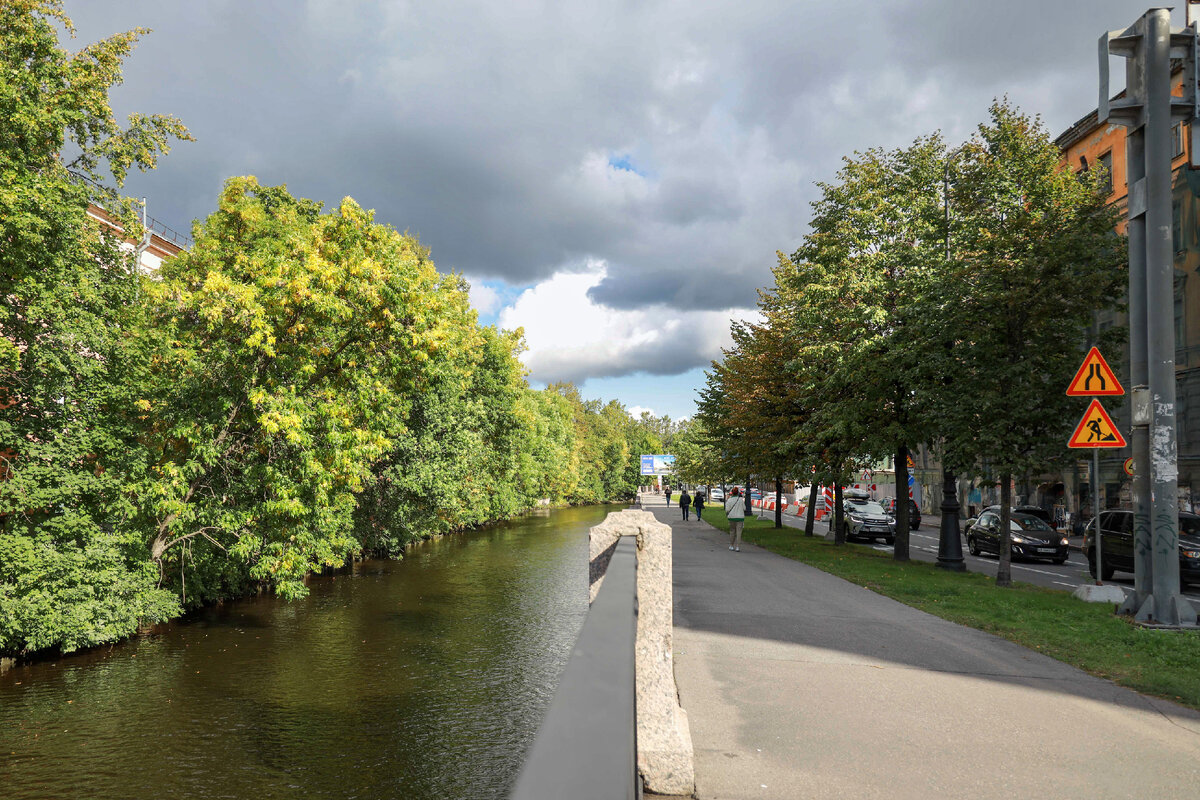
658,465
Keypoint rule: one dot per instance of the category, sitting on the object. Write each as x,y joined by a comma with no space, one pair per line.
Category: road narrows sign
1094,378
1096,429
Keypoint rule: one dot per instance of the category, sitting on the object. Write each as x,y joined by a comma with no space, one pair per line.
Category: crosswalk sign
1094,378
1096,429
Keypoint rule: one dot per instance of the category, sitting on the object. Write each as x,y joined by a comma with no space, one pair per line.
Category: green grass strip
1085,635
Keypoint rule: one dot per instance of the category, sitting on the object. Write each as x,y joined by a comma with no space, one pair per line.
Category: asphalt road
923,546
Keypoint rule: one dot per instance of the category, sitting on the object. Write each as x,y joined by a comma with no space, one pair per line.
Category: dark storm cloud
488,128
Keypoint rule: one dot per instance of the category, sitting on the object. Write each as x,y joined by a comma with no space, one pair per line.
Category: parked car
1030,537
1035,511
866,519
914,511
717,495
1116,528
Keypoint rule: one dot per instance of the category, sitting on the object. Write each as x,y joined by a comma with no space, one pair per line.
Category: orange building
1090,145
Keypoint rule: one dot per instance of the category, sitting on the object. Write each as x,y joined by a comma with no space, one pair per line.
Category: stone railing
664,740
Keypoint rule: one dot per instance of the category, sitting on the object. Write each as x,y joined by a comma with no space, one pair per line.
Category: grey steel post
1169,607
1099,538
1140,603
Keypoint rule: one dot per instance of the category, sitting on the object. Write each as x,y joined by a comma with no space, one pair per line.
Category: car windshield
1189,526
865,507
1029,524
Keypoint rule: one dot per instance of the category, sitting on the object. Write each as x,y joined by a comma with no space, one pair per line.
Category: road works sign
1094,378
1096,429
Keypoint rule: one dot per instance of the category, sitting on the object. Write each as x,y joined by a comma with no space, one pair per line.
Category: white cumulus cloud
572,338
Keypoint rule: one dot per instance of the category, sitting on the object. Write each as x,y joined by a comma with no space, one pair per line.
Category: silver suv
866,519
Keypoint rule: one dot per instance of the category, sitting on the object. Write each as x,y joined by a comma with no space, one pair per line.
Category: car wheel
889,540
972,546
1060,561
916,526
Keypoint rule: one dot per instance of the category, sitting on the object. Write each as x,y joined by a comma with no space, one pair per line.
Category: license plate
1046,550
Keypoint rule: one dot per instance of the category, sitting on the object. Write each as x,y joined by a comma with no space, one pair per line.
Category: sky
615,178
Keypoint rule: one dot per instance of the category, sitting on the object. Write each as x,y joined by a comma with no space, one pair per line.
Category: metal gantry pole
1140,603
1169,607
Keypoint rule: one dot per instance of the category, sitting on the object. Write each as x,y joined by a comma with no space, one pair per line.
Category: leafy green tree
73,571
854,296
1034,254
297,337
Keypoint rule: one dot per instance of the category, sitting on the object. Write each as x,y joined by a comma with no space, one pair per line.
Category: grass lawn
1085,635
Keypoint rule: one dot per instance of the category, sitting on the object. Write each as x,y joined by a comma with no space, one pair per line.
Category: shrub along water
301,387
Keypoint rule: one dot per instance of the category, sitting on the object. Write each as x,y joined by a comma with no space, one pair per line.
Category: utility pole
949,537
1148,110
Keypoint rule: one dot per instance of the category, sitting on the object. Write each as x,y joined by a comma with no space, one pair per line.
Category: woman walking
698,503
685,502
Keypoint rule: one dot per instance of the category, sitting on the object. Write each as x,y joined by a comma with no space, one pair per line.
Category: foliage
1034,255
852,297
73,570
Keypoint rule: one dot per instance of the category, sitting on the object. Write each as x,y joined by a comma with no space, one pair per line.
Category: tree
72,566
853,295
1034,254
297,339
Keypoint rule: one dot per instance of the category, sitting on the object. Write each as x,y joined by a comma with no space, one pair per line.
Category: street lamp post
949,539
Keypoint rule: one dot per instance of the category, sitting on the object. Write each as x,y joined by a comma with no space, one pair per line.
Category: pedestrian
685,502
735,512
667,492
698,503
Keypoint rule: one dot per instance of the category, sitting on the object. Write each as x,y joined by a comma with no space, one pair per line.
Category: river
420,678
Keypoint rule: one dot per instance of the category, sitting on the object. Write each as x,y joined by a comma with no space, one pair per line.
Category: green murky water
423,678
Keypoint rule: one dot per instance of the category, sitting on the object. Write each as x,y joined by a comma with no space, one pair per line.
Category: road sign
911,464
1096,429
1128,466
1094,378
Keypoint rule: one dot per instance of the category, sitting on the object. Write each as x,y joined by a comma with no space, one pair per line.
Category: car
866,519
914,511
1036,511
1030,537
717,495
1116,528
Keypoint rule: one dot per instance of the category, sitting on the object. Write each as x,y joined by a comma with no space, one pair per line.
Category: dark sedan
1117,545
1030,537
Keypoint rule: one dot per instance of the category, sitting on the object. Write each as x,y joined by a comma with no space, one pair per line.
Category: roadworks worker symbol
1094,377
1096,429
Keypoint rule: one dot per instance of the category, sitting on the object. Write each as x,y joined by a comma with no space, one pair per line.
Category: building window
1105,164
1177,140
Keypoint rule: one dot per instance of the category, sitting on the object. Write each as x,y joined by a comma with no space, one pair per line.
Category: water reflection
416,679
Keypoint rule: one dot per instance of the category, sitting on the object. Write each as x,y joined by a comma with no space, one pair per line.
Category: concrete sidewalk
798,684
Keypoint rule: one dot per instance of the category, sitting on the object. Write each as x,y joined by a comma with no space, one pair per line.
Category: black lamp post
949,540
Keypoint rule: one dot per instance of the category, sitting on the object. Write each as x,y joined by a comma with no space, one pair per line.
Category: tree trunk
811,513
1004,568
839,527
900,551
747,507
778,502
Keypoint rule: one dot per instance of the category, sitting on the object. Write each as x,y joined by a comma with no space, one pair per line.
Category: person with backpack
735,512
698,503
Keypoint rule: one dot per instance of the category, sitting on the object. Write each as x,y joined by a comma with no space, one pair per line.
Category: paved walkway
798,684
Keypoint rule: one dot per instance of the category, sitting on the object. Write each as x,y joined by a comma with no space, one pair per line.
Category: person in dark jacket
667,492
698,503
685,502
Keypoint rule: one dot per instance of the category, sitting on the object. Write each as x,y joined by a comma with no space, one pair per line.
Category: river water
421,678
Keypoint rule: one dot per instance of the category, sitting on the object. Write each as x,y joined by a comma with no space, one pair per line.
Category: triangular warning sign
1096,429
1094,377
